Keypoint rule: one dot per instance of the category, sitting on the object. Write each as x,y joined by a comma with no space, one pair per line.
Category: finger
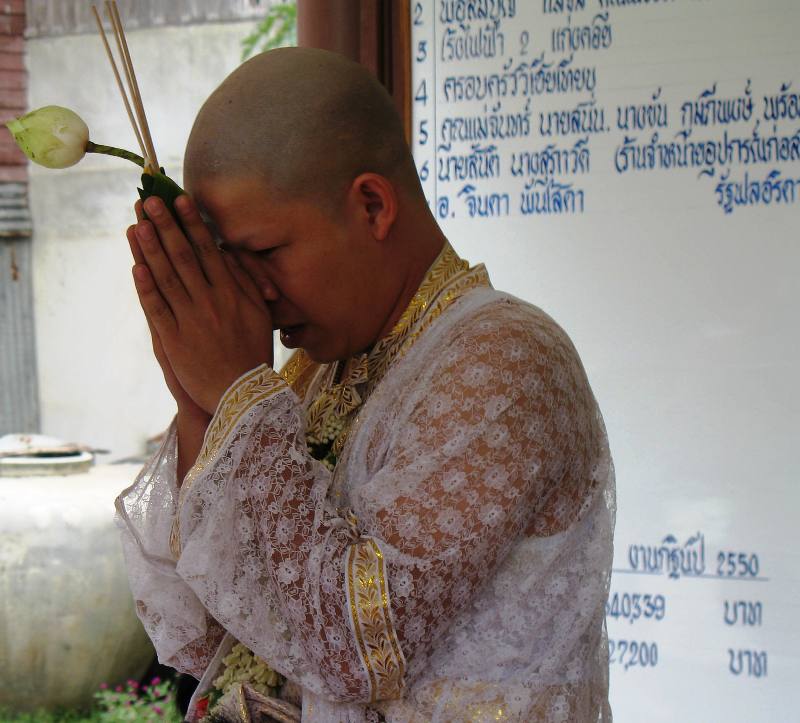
249,263
243,280
139,210
205,245
162,272
171,380
159,316
158,347
138,256
177,248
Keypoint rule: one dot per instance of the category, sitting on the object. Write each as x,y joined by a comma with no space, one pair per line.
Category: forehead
245,211
220,195
234,202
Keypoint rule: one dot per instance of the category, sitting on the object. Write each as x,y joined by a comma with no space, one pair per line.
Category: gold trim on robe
371,619
299,372
482,702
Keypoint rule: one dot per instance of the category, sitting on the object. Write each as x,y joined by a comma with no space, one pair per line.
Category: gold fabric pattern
341,398
481,702
299,371
368,598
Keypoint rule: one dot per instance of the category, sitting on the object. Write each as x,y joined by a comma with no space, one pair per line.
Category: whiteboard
633,168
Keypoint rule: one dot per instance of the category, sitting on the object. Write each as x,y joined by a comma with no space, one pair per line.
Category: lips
290,335
284,324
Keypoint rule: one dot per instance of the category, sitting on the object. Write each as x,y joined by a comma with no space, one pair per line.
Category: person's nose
268,290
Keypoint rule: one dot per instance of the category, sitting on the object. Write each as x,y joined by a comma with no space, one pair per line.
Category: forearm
191,428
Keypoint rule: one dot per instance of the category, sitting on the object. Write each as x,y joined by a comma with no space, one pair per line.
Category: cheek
296,286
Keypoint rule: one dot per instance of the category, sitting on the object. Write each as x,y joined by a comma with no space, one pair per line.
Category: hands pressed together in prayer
208,321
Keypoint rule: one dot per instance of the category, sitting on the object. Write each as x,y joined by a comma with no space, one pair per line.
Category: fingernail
140,272
154,207
183,204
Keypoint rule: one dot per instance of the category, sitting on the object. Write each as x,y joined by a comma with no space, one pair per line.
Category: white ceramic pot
67,622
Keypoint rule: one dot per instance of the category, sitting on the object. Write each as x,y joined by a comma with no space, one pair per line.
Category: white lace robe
454,567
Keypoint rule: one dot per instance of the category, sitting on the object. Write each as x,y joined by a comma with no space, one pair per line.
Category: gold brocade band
475,701
371,620
251,388
299,371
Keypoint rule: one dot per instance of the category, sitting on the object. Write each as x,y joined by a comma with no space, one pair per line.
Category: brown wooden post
375,33
399,52
329,24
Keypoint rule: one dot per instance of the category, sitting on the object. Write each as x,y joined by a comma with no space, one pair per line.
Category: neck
417,268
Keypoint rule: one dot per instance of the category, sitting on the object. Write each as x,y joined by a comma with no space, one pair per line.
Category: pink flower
158,711
118,689
103,686
155,681
133,684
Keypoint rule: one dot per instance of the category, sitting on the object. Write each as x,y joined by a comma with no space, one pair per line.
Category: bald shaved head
308,121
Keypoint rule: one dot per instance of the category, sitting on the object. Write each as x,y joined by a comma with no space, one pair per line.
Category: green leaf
161,185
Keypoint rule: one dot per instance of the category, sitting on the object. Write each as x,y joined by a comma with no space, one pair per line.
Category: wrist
192,418
191,425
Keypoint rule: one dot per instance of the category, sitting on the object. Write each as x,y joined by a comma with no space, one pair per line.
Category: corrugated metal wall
19,403
19,400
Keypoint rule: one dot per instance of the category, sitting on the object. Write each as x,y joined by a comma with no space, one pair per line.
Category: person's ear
374,201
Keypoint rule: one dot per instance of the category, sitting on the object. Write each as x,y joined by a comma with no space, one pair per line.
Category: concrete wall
99,383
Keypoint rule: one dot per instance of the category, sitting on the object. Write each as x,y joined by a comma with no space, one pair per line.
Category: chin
325,348
322,356
325,353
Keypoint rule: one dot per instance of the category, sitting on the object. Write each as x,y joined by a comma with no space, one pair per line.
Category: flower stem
111,151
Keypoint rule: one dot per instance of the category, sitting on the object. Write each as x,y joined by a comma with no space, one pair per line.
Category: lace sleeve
500,443
184,635
493,443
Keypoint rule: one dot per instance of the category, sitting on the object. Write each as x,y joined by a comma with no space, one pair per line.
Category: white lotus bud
52,136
